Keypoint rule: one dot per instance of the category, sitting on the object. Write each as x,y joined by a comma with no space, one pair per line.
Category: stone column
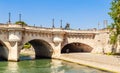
57,50
13,52
57,45
14,36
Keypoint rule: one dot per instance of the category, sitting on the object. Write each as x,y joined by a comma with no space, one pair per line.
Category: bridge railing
51,29
3,25
10,25
14,26
42,28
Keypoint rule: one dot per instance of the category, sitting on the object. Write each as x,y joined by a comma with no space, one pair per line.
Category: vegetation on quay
27,46
21,23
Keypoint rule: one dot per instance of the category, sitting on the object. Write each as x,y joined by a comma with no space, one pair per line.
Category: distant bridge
50,42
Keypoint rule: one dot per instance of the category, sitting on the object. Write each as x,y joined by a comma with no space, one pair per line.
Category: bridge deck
110,63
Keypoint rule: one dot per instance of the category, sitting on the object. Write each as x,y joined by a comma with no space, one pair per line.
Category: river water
45,66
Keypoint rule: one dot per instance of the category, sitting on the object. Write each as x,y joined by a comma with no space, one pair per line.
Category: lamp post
20,17
61,23
53,23
9,20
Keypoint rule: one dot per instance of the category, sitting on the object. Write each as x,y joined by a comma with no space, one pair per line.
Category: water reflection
12,67
45,66
56,66
8,67
59,66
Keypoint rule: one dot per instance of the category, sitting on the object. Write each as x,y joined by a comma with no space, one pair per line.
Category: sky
83,14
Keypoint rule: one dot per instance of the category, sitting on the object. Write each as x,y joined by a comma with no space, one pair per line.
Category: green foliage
113,38
110,53
21,23
27,46
115,26
115,10
110,27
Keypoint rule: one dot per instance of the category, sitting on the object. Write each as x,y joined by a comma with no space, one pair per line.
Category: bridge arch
76,47
4,51
41,48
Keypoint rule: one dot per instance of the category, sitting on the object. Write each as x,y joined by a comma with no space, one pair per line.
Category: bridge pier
13,52
57,40
57,51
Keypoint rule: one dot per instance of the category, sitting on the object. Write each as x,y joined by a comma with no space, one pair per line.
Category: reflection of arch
76,47
3,51
42,48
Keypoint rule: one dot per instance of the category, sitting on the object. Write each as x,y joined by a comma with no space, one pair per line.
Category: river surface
45,66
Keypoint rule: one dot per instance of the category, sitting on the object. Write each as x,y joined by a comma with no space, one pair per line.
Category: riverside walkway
104,62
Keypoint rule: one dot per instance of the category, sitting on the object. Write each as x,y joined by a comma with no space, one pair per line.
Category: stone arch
4,51
42,48
76,47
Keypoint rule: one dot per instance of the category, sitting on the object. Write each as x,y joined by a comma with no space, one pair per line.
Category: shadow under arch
41,48
3,51
76,47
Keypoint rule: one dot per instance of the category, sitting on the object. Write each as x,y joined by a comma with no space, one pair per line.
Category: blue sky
81,14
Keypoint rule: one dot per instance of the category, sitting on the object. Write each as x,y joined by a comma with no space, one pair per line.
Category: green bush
27,45
21,23
110,53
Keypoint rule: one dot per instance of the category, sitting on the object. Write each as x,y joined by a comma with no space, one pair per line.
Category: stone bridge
50,42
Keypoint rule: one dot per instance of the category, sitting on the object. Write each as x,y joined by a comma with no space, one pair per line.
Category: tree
21,23
115,26
27,46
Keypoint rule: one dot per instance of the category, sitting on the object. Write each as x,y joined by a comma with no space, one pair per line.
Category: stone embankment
104,62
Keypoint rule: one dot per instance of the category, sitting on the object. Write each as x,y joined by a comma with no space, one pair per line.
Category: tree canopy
115,26
21,23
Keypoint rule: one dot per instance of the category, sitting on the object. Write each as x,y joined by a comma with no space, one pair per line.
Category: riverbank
103,62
